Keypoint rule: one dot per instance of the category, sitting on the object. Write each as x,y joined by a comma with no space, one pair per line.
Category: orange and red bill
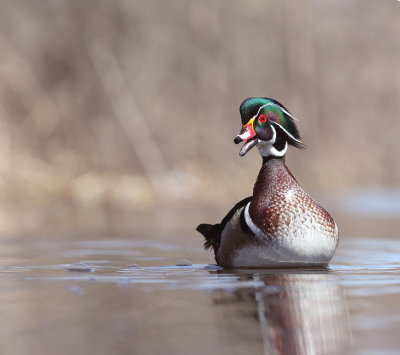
247,134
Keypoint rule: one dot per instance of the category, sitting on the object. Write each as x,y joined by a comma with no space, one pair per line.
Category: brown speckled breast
280,207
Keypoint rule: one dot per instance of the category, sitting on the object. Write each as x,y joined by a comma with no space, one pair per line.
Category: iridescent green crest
276,114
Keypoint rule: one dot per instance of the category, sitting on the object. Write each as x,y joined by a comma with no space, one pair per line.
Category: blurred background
118,117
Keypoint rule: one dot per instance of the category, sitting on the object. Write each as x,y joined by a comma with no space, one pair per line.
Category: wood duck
280,225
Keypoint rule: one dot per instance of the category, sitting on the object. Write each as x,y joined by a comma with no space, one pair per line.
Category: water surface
131,297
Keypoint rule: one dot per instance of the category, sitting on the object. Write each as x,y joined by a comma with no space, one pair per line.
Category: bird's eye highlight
262,118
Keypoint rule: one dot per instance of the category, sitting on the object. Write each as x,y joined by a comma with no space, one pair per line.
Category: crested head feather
252,106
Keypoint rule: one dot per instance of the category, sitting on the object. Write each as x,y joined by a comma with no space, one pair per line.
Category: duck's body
280,225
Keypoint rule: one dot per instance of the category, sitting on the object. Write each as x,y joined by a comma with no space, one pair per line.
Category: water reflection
295,313
130,297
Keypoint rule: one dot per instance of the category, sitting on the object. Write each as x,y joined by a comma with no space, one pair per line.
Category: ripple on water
356,294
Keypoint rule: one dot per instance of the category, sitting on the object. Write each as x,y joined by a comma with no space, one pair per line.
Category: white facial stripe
272,104
297,140
268,104
289,114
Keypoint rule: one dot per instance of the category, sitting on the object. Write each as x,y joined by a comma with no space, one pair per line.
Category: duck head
268,125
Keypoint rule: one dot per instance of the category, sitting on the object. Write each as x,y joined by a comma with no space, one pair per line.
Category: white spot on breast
289,196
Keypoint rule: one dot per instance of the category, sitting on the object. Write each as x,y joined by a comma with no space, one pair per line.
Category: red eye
262,118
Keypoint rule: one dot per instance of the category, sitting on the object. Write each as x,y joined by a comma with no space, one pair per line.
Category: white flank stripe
257,231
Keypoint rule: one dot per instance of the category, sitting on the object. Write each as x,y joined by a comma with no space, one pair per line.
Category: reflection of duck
296,313
280,225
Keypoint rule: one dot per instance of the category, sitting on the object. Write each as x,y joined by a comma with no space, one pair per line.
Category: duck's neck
266,160
273,176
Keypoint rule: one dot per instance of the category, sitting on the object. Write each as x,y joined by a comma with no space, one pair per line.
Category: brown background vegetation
119,116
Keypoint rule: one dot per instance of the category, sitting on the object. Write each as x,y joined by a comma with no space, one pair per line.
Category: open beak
247,134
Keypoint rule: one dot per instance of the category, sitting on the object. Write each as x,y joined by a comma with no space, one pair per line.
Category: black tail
211,234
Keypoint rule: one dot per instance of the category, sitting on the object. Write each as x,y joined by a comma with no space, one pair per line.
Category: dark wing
212,232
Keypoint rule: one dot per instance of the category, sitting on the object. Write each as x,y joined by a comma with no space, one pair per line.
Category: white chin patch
266,148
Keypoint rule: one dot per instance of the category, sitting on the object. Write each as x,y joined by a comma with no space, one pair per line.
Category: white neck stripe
266,148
